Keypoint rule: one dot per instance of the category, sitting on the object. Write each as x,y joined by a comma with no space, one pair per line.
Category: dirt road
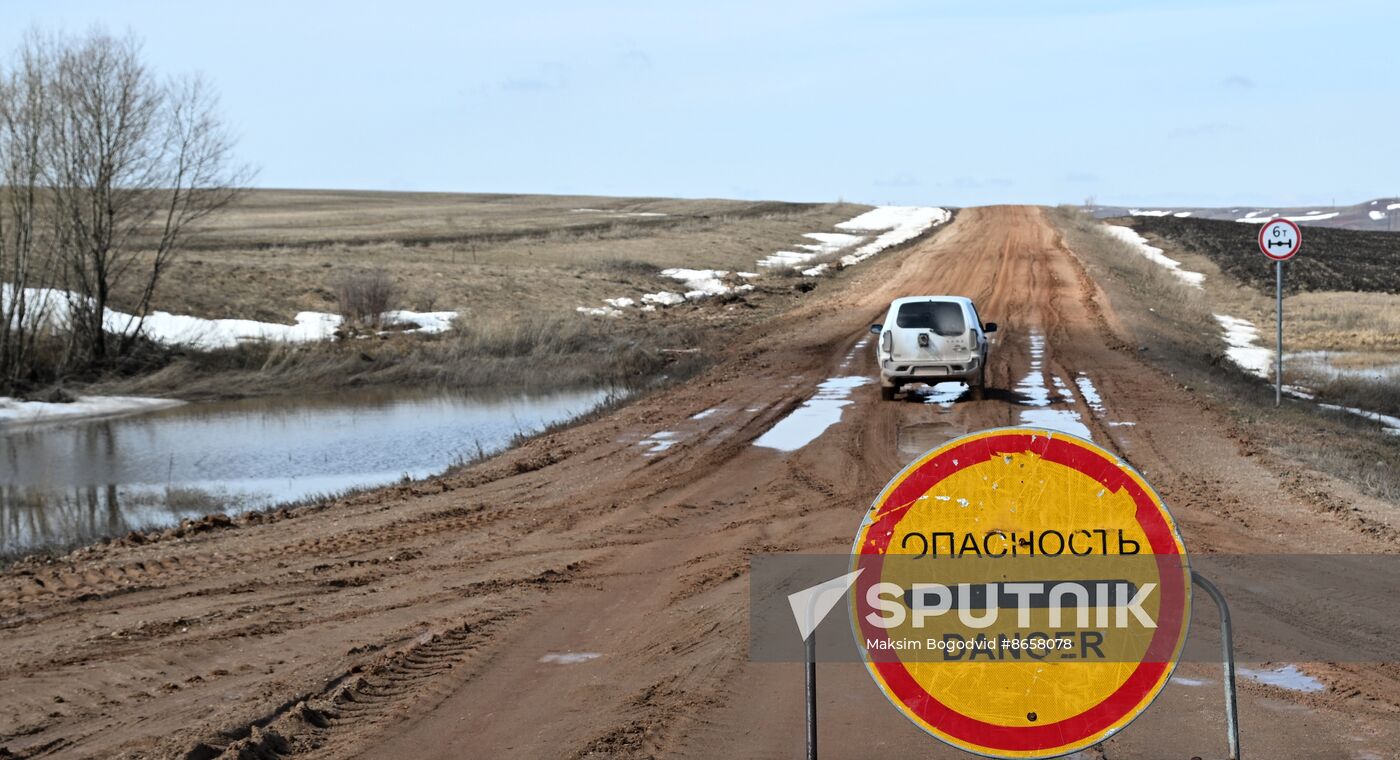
586,594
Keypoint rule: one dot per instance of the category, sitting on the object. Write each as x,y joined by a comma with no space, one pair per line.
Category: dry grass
281,252
1173,301
513,267
1341,321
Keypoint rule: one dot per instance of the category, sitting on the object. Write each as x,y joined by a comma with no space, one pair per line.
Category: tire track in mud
357,700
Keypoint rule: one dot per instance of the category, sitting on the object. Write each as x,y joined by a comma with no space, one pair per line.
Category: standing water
69,482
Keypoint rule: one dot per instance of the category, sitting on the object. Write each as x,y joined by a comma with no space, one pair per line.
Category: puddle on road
918,438
1287,677
1090,393
1036,393
806,423
658,442
1062,420
942,394
569,658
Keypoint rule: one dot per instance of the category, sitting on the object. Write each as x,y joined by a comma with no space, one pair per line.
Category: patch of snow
704,414
587,211
644,213
827,243
1377,215
901,224
1152,253
664,298
746,275
807,422
618,303
1240,335
1311,217
197,332
1182,214
1184,681
1140,212
13,411
598,311
1392,207
1392,424
699,283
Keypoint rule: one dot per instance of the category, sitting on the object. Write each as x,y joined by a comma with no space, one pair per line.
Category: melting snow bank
197,332
827,243
1254,218
1240,336
806,423
28,412
894,225
1152,253
900,224
1392,424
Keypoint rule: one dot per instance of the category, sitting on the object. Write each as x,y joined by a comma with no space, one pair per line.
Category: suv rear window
942,317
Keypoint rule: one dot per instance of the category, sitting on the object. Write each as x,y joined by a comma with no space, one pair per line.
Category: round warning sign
1021,593
1280,239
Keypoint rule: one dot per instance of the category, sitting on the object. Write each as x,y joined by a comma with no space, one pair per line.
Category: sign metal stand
1227,658
1280,240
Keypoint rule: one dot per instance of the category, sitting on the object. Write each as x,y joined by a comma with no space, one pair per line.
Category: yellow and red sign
1047,520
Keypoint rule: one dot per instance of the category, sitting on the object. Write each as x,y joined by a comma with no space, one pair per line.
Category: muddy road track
586,594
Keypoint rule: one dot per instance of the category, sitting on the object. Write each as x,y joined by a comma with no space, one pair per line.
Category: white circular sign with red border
1280,239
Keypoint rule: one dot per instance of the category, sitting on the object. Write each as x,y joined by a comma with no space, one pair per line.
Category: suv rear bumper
894,373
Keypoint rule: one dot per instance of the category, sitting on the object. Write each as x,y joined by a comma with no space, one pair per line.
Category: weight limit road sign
1045,519
1280,239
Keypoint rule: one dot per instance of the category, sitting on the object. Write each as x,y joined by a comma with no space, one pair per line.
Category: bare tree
131,162
24,103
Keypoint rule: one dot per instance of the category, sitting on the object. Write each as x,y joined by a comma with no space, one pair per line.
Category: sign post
1280,240
1021,593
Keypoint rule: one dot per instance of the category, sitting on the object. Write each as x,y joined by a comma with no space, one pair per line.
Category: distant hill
1380,215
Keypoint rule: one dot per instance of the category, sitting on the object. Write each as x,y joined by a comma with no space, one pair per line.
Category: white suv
932,339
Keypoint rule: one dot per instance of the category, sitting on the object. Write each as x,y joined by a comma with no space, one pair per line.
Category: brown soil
411,622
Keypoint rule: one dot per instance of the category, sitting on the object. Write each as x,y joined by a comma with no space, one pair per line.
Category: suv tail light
887,342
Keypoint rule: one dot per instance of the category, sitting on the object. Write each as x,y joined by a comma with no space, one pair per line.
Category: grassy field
488,256
514,267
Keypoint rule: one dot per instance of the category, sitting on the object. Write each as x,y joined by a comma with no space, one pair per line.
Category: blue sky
956,102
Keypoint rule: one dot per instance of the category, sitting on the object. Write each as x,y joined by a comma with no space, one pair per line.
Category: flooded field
67,482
